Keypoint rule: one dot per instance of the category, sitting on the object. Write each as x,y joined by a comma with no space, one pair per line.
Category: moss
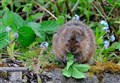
107,67
100,68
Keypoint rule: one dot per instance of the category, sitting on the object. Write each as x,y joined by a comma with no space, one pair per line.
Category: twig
12,69
58,7
98,10
45,10
76,4
111,10
68,8
102,10
48,3
103,7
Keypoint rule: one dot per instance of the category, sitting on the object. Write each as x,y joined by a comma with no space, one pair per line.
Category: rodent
76,38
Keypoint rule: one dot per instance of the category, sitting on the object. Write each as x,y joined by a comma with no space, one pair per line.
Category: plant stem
58,7
68,8
76,4
111,10
99,11
45,10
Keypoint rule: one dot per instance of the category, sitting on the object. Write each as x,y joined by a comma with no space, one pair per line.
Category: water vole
76,38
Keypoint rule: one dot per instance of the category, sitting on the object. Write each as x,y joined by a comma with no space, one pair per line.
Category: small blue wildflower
103,22
112,38
8,29
16,35
76,17
106,44
44,44
106,29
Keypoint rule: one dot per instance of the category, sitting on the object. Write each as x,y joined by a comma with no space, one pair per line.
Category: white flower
106,44
44,44
112,38
103,22
15,35
8,29
76,17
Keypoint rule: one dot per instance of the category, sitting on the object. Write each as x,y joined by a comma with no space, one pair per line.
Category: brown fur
76,38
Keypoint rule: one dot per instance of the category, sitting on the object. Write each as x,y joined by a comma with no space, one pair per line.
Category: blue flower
8,29
112,38
16,35
106,29
103,22
106,44
76,17
44,44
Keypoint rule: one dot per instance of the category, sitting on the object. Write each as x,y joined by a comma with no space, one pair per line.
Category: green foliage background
36,21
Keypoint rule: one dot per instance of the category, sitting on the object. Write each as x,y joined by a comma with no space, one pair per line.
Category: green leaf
8,18
67,72
50,25
13,20
26,36
82,67
18,21
61,20
36,27
77,74
4,37
27,8
35,16
89,1
70,57
10,50
69,63
116,45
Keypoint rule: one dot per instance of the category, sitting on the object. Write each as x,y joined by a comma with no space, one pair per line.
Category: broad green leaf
50,26
116,45
36,27
13,20
67,72
26,36
8,18
69,63
82,67
18,21
77,74
4,37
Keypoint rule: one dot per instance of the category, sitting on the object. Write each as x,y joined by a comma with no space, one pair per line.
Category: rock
57,77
